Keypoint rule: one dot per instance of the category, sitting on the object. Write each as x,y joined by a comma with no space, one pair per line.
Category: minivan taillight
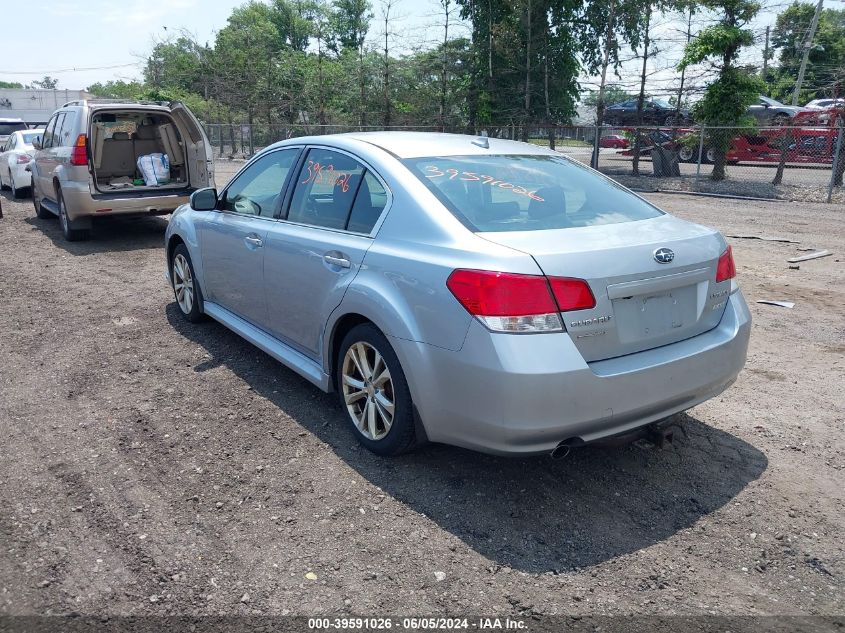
726,269
510,302
79,154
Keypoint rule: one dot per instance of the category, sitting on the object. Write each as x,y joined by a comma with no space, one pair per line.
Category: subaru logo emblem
664,255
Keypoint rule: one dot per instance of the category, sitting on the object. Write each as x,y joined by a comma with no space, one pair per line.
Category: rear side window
527,192
64,129
335,191
51,130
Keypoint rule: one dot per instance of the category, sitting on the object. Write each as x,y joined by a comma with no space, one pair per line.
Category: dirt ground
151,466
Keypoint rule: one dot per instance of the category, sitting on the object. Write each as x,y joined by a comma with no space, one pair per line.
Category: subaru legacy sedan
479,292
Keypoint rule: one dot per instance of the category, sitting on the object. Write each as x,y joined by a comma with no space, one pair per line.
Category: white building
35,106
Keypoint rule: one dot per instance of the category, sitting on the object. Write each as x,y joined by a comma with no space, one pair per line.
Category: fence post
700,152
836,158
594,159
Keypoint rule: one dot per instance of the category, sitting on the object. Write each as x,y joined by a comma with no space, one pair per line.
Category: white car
824,104
15,156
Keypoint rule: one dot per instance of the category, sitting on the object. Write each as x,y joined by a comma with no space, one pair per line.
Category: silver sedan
477,292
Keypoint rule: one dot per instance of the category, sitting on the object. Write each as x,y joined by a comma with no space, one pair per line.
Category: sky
101,40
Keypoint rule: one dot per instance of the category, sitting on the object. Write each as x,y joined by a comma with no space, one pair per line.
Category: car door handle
337,261
254,241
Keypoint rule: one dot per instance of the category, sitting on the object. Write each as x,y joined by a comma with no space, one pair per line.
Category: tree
612,94
11,85
46,83
823,76
350,22
727,97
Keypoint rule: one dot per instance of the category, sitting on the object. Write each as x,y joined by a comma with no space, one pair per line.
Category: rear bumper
512,394
20,176
80,203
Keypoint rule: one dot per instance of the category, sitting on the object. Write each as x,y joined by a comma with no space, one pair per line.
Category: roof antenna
482,141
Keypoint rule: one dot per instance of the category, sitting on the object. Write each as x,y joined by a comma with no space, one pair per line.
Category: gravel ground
154,467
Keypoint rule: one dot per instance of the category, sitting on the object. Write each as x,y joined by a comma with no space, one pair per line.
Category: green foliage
823,76
726,100
11,85
727,97
714,41
612,94
46,83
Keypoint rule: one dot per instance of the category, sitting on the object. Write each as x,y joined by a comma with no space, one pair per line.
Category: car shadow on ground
108,234
531,514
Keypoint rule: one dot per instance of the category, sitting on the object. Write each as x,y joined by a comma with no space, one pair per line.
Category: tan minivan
86,164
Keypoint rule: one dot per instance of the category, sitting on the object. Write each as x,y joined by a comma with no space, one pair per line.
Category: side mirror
204,199
36,144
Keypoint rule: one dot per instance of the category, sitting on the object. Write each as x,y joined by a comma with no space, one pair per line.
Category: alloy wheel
183,283
63,216
368,390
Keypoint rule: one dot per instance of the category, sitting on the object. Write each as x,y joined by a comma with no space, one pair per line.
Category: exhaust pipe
562,450
658,434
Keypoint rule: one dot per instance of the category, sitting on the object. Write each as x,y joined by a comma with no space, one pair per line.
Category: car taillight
23,159
79,155
726,269
506,302
572,294
509,302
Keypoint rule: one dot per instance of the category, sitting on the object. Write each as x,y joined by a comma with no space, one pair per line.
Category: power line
66,70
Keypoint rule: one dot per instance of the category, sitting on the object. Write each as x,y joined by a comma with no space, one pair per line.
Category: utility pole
808,44
766,54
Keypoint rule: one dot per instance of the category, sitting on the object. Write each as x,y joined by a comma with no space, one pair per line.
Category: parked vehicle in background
7,126
831,114
615,141
803,145
87,163
655,112
15,156
770,112
480,292
824,104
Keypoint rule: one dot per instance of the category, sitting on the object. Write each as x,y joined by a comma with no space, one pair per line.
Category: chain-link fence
789,162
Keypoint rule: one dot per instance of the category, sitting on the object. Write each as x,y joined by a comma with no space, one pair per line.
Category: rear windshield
527,193
6,129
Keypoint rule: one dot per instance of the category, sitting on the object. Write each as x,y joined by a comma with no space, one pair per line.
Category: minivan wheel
71,234
374,393
185,287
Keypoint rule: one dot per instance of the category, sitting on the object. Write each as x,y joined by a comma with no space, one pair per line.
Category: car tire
70,233
360,373
669,121
40,211
709,155
686,154
16,193
186,288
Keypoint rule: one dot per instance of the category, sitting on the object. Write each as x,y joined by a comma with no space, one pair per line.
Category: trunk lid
640,303
200,156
